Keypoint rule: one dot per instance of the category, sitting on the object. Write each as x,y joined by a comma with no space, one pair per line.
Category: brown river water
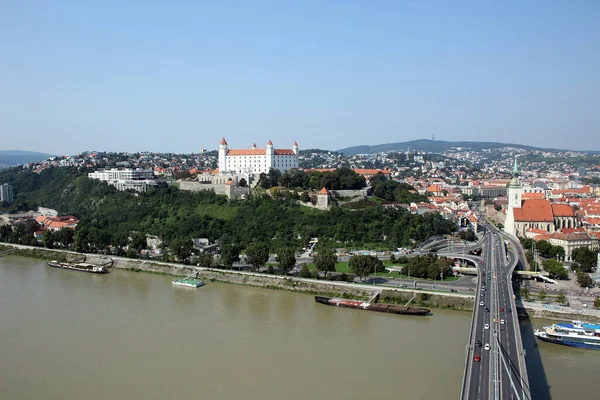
125,335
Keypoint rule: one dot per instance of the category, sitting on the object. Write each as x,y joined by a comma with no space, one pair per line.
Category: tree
325,260
555,269
286,258
525,294
257,254
182,249
205,260
242,182
584,280
364,265
561,298
48,240
542,295
585,258
305,272
229,254
138,242
597,302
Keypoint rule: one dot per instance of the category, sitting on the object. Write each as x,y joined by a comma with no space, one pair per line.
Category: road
501,372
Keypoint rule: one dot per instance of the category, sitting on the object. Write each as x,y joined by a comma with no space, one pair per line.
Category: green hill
437,146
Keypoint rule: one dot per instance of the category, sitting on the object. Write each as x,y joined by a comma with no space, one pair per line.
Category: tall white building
123,179
255,160
6,193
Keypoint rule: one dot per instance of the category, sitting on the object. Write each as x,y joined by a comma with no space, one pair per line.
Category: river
125,335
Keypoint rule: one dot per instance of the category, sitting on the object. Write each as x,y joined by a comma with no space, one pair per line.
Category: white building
124,179
255,160
6,193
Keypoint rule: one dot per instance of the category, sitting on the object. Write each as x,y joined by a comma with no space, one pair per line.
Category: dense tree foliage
555,269
286,258
394,191
325,260
584,280
363,265
467,235
111,220
257,254
340,179
585,258
429,266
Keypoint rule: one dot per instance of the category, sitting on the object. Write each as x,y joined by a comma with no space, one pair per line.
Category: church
255,160
539,214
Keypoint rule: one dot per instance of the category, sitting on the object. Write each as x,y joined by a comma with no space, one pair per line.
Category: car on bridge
478,343
477,358
486,326
487,346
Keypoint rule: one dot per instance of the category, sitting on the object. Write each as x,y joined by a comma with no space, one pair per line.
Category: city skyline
141,77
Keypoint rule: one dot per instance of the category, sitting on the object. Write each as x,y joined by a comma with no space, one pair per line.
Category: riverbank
424,298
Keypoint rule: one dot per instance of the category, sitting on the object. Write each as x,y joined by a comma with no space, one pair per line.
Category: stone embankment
423,298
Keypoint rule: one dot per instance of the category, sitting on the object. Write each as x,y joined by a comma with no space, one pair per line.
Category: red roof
295,144
249,152
370,171
270,143
527,196
323,191
534,210
223,141
284,152
562,210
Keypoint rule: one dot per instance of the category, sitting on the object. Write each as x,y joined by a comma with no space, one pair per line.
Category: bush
305,272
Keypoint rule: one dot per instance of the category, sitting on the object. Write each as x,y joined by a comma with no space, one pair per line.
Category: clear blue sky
179,75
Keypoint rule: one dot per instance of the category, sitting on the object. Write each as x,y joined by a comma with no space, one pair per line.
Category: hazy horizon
177,77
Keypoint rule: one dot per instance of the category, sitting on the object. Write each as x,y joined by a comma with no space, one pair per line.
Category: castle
255,160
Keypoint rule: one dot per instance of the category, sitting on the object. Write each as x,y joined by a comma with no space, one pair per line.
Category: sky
177,76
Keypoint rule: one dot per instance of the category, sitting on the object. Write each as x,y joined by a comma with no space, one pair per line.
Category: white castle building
255,160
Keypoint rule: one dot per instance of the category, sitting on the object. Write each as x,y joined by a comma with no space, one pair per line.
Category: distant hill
437,146
16,157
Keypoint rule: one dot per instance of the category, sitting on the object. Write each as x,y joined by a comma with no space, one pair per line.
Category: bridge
495,360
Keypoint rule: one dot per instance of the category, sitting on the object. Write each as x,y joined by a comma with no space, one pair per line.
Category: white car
501,321
486,326
481,303
487,346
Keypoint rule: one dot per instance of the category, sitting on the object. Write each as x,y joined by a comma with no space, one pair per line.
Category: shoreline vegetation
359,291
423,298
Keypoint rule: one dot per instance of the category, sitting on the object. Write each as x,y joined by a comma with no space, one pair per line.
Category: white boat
574,334
189,282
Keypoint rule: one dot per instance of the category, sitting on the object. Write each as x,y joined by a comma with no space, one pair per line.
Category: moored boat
189,282
574,334
82,267
363,305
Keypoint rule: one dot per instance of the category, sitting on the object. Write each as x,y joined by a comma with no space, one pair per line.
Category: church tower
515,191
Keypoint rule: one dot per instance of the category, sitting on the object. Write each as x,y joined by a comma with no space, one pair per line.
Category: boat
575,334
82,266
189,282
363,305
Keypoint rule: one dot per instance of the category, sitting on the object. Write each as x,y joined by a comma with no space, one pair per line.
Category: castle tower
222,153
270,153
295,148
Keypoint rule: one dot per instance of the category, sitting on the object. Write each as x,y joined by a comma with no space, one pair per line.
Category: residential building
137,179
572,241
6,193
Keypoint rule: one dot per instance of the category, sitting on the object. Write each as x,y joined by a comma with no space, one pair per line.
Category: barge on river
363,305
82,266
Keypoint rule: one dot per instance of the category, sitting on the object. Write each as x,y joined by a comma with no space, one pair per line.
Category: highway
501,372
